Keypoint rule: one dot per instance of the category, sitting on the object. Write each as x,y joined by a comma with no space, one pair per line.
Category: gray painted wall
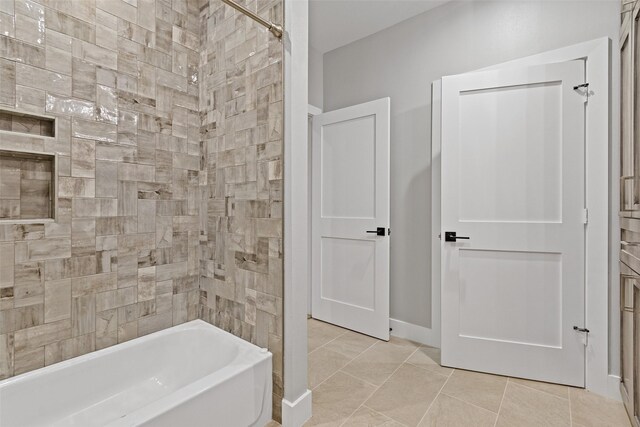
402,61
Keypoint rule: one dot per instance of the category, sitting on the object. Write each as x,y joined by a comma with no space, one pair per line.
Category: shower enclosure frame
296,404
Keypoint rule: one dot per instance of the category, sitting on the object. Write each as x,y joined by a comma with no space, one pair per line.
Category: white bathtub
193,374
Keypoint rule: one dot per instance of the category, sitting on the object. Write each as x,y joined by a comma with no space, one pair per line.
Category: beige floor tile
482,390
591,410
337,398
554,389
377,363
367,417
431,352
429,358
525,407
315,325
403,342
322,364
448,411
400,380
406,396
320,333
351,344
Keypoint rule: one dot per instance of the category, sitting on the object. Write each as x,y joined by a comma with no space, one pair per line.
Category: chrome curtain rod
275,29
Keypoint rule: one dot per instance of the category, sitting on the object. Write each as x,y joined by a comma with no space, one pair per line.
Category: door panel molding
350,204
513,292
602,167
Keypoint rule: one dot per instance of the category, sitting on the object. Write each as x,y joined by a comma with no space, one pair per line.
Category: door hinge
583,89
585,337
585,216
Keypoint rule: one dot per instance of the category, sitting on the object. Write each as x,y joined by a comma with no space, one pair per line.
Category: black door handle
450,236
380,231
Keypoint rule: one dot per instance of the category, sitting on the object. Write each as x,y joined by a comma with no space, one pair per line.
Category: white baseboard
412,332
295,414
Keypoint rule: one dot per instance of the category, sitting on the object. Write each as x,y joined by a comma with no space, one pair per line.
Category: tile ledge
26,221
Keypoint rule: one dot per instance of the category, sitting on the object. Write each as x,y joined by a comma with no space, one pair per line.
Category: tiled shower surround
25,186
169,144
241,277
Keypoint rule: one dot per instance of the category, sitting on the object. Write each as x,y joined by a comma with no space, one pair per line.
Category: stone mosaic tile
25,185
241,212
169,144
66,275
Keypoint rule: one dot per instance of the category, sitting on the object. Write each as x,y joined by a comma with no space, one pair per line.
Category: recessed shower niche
27,183
29,124
27,178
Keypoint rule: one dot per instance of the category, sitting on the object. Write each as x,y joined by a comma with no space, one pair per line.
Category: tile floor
360,381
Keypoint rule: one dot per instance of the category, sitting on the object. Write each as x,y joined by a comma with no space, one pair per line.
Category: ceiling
335,23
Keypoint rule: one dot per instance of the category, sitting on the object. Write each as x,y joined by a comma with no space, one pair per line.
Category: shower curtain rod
275,29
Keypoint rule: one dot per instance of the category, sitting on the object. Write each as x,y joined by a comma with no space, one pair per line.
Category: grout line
432,372
331,375
501,400
371,345
570,415
542,391
435,398
325,380
378,388
331,340
568,400
336,371
350,358
469,403
380,413
358,378
339,369
570,410
364,351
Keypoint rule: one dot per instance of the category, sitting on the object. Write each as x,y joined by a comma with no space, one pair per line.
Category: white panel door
513,184
350,218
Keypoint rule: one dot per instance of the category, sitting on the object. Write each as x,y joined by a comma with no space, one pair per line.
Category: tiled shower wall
241,264
121,77
25,187
169,143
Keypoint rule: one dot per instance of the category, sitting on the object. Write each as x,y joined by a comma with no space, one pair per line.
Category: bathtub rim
248,357
196,388
192,324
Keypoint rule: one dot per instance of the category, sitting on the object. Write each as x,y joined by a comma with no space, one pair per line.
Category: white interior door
513,183
350,218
